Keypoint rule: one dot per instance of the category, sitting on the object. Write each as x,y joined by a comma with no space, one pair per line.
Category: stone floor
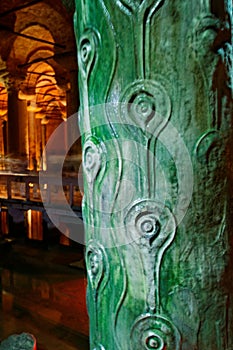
43,295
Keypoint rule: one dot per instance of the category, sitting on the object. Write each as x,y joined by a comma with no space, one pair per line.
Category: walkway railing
24,190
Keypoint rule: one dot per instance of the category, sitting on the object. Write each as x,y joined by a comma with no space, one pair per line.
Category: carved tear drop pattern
87,51
152,226
151,111
203,33
97,265
152,221
206,43
147,104
209,148
92,159
154,332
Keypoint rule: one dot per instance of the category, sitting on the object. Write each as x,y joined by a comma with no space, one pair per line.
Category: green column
155,82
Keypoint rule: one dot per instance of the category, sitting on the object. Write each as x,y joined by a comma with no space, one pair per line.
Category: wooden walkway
29,191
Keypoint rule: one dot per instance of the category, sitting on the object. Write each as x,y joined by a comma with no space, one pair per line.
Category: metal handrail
29,181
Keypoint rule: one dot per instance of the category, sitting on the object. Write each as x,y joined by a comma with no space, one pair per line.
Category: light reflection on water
46,301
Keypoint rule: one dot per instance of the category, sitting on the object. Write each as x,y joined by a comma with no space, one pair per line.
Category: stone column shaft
32,141
17,143
155,82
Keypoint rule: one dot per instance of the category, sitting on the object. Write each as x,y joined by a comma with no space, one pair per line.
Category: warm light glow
44,121
39,115
63,103
34,109
29,220
35,229
3,112
24,96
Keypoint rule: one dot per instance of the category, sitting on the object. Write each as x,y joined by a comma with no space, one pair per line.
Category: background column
17,147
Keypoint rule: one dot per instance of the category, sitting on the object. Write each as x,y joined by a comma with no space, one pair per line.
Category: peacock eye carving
154,341
92,159
97,265
147,104
154,332
87,48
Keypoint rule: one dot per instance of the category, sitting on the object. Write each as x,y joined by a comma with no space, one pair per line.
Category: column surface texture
155,82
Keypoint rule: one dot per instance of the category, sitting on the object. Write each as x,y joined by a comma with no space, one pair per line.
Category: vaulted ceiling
37,50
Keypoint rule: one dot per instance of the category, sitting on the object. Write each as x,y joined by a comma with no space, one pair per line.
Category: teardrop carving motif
87,49
146,103
154,332
97,265
92,159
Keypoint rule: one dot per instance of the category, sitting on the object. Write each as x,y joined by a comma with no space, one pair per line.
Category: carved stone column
155,117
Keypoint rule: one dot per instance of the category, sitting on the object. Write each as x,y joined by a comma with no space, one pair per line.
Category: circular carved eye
154,332
148,225
148,222
94,261
90,158
146,103
85,50
97,265
154,342
142,106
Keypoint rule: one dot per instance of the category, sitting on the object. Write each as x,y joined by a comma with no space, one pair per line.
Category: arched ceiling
37,51
36,29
